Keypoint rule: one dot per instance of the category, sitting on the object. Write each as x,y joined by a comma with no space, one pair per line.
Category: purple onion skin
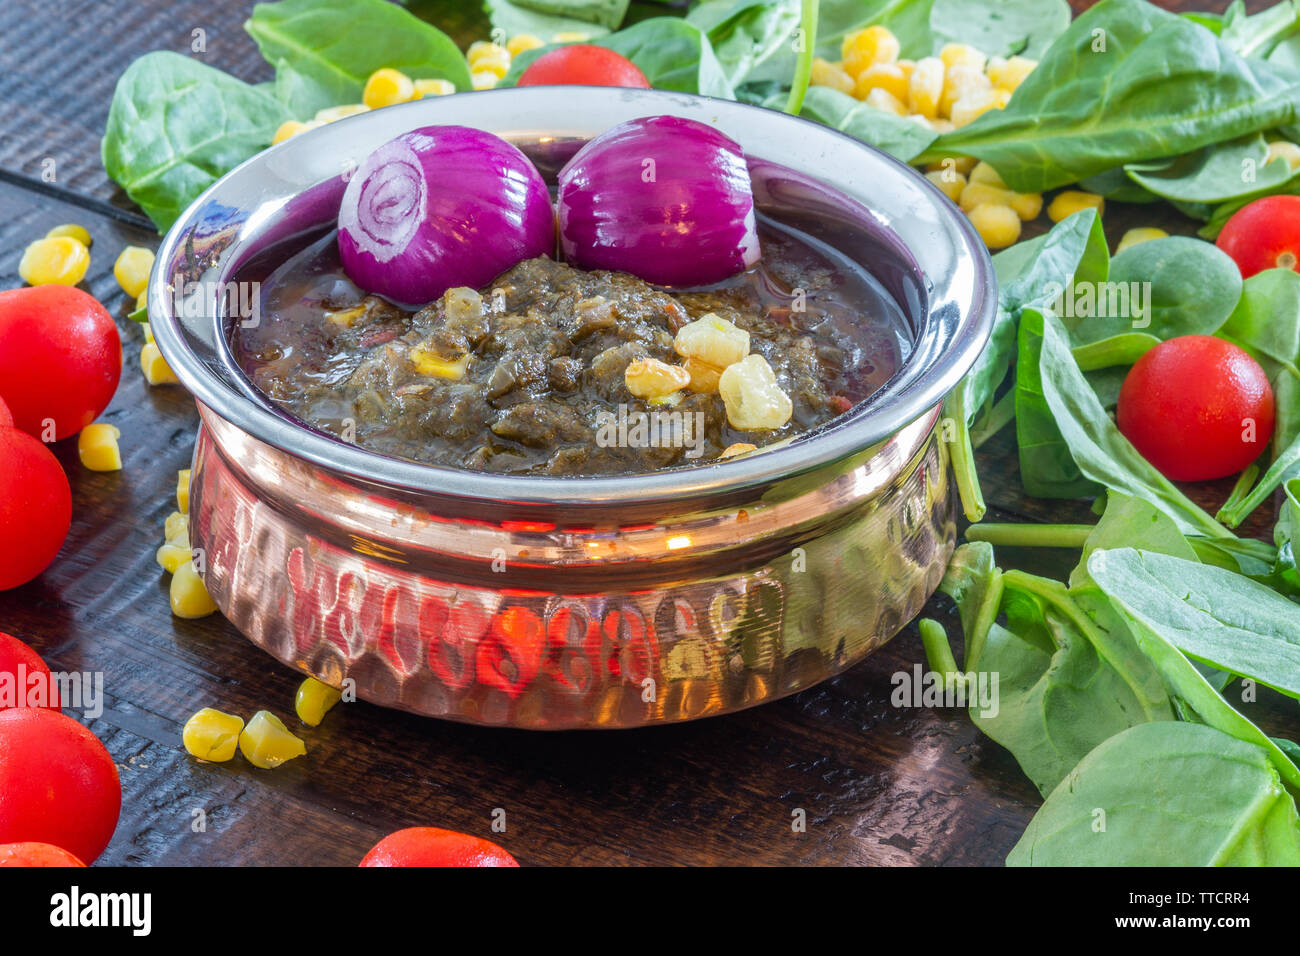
686,220
439,207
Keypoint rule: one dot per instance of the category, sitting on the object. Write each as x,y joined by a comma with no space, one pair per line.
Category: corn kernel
570,36
341,112
171,557
941,125
651,378
72,231
998,225
485,49
1009,74
212,735
958,82
521,42
439,87
387,87
977,194
920,120
287,130
189,596
738,448
1001,98
704,377
1070,201
1289,152
753,399
964,55
960,164
183,491
907,66
1028,206
984,173
156,369
950,183
132,269
972,106
881,76
176,529
865,47
884,100
267,743
498,66
58,261
314,700
825,73
97,448
483,79
428,362
925,87
1139,235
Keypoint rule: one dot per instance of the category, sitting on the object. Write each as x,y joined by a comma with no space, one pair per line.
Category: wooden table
879,784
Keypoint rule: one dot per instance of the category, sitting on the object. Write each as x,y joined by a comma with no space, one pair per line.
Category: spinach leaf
909,20
176,125
607,13
334,45
512,18
1168,794
1133,523
1221,214
1185,287
1115,185
1126,82
672,53
1000,27
974,582
744,33
1258,35
1124,348
895,135
1212,615
1216,174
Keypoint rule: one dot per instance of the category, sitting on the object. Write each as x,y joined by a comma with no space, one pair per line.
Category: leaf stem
1026,535
803,68
962,454
1002,414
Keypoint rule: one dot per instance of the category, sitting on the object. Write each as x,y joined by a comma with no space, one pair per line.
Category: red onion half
438,207
664,198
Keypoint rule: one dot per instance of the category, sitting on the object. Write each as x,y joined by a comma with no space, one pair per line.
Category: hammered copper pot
555,603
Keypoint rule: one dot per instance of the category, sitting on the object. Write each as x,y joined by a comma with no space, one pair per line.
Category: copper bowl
555,603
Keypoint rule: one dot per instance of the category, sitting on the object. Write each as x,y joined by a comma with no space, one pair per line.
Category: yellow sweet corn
176,529
485,49
1027,205
950,183
58,261
971,106
1289,152
1070,201
940,125
984,173
190,598
998,225
650,378
387,87
483,79
884,100
267,743
498,66
753,399
1010,73
570,36
72,231
287,130
958,82
212,735
521,42
864,47
183,491
425,88
340,112
825,73
97,447
881,76
156,369
1001,98
171,557
428,362
1139,235
925,87
907,66
132,269
964,55
314,700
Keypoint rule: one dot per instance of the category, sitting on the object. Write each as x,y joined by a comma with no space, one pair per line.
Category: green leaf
332,46
175,126
1000,27
1215,616
1124,348
1127,82
514,18
909,20
1166,794
607,13
1132,523
745,33
1259,35
897,136
1220,173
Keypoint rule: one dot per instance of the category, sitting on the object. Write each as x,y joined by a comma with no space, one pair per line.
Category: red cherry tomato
1188,404
429,846
6,416
18,686
583,64
57,783
1264,235
60,358
36,854
35,507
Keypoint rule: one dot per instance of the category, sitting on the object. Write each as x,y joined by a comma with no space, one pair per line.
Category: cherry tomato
583,64
1188,406
57,783
429,846
1264,235
18,664
6,416
36,854
60,358
35,507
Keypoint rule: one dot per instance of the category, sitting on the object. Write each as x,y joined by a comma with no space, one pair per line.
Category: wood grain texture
879,784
